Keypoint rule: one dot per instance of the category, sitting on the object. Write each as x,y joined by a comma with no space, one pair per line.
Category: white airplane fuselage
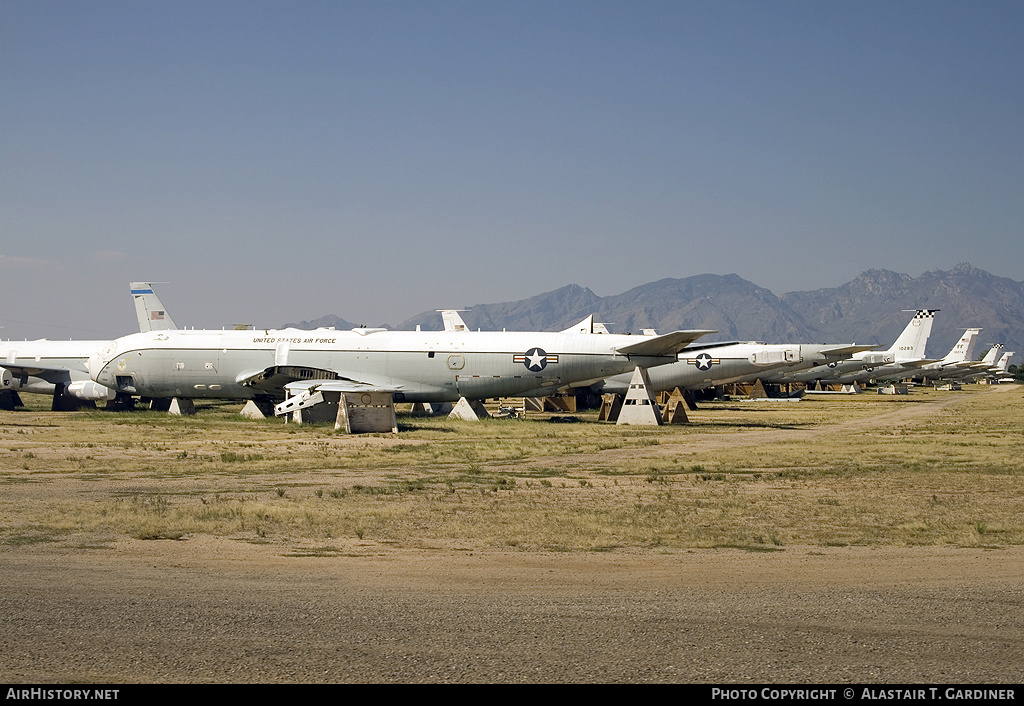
427,366
37,367
908,347
707,367
858,363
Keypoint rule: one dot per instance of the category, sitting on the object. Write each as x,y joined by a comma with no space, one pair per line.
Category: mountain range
870,309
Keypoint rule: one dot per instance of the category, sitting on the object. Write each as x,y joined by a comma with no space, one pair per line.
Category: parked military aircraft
1002,372
987,366
957,358
709,366
59,368
906,352
811,355
416,366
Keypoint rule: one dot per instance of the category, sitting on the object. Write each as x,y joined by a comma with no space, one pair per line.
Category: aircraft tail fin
911,343
993,354
964,348
150,312
452,320
588,325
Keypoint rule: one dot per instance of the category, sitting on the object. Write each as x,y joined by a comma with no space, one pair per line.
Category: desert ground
866,539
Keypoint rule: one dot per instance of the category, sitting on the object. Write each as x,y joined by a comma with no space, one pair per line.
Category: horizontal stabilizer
668,344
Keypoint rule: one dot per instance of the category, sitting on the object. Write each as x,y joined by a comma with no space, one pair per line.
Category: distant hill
965,296
868,309
329,321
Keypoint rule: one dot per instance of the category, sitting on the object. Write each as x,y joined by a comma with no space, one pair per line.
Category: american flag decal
156,315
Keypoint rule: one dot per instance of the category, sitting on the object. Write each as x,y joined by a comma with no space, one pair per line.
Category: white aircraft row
906,359
269,366
719,364
706,365
163,362
59,368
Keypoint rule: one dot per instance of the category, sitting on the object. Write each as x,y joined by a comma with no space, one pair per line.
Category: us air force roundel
535,359
703,361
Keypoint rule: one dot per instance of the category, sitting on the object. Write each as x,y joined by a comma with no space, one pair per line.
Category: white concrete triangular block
467,410
182,407
640,407
251,411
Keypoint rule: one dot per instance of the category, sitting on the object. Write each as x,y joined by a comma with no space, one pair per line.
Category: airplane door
456,363
281,353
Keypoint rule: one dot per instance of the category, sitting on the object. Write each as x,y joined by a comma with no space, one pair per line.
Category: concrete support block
182,406
471,411
640,407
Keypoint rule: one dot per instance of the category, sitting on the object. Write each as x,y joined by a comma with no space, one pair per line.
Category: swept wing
667,344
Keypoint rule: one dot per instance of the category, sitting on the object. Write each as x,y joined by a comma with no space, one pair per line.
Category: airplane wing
277,379
273,380
847,350
711,344
50,375
339,386
667,344
914,364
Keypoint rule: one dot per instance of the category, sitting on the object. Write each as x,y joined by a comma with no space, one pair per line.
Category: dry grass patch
931,468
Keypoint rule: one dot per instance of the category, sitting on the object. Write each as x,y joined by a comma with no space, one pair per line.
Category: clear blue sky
278,161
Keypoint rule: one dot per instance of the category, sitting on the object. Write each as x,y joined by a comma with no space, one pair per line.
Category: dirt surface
215,610
210,610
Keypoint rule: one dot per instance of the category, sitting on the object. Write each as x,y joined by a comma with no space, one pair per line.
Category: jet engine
874,359
89,390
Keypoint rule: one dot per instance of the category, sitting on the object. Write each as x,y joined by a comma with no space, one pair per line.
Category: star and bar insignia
535,360
703,361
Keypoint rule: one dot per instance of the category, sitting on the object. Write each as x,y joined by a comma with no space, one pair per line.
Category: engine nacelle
775,355
7,381
873,359
89,390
